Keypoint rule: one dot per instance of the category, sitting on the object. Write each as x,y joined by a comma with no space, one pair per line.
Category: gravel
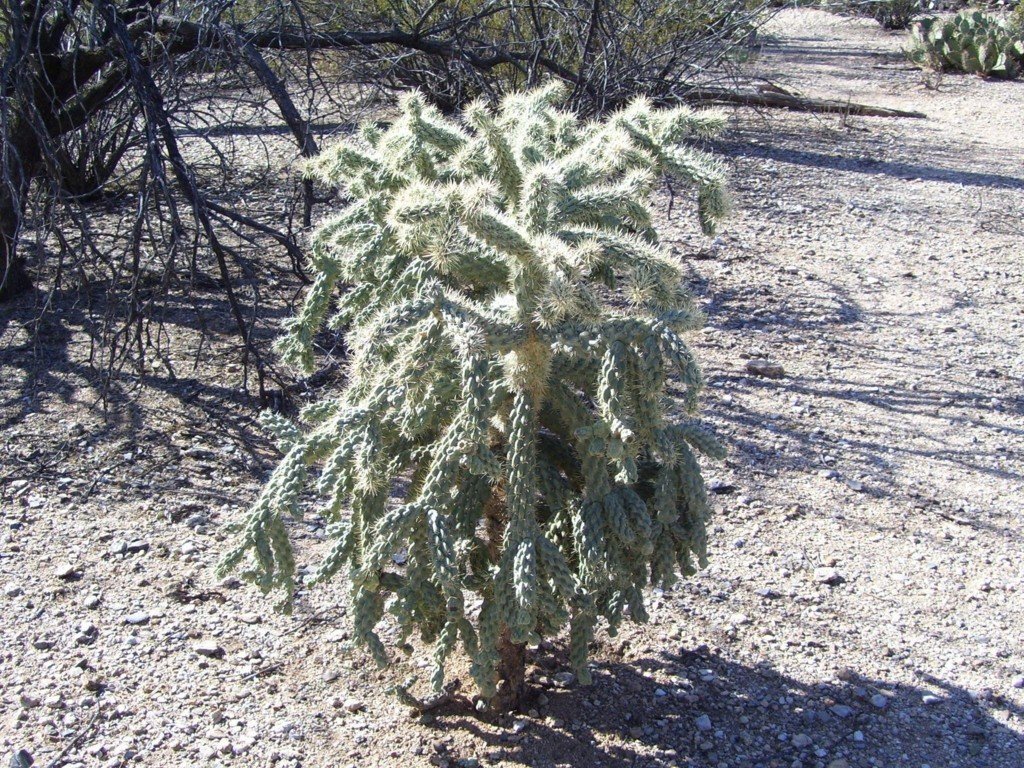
877,262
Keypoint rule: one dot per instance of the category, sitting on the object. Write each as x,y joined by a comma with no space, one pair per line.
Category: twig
75,741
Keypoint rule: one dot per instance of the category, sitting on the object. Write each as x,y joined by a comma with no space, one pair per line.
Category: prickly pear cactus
973,42
513,324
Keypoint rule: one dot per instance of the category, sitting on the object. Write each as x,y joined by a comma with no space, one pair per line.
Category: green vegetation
974,42
512,324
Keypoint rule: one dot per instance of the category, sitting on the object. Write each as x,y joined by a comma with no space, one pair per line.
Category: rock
739,619
1018,681
802,741
858,735
29,702
65,571
855,485
137,619
92,601
930,699
880,701
22,759
138,545
721,487
354,705
12,590
209,649
564,679
117,547
841,762
841,710
829,576
765,368
703,723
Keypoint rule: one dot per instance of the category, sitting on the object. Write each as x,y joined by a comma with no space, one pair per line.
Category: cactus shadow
703,709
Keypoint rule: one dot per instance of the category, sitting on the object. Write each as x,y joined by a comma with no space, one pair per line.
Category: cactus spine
505,416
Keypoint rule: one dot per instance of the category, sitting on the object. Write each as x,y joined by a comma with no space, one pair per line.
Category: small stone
12,590
138,545
354,705
65,571
765,368
703,723
636,732
739,619
880,701
564,679
1018,681
841,762
137,619
841,710
858,735
28,702
92,601
930,699
802,741
520,725
829,576
855,485
209,649
117,547
43,643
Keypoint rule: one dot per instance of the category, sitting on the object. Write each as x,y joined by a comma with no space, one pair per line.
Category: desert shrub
513,322
609,51
891,14
894,14
973,42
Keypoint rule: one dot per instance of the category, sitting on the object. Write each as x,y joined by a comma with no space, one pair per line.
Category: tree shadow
650,712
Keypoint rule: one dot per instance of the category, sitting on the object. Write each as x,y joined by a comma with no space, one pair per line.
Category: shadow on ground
633,717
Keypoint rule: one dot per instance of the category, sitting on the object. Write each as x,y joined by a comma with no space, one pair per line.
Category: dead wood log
787,100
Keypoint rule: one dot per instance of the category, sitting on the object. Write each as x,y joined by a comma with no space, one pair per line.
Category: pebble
354,705
137,619
563,679
65,571
765,368
703,723
841,710
829,576
208,648
12,590
43,643
802,741
858,735
1018,681
879,701
930,699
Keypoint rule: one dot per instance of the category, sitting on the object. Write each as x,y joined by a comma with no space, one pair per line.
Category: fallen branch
785,100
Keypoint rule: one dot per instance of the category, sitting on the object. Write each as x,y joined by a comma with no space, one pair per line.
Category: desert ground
864,605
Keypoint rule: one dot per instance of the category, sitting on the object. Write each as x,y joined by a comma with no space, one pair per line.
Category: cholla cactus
505,419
